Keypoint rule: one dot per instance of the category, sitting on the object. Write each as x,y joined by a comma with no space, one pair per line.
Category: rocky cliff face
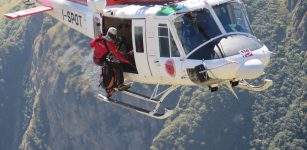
298,19
64,81
15,51
48,85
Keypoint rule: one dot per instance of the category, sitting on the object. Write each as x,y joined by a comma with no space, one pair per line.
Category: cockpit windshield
195,28
233,17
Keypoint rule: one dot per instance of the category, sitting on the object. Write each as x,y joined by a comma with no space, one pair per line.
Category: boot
123,87
109,92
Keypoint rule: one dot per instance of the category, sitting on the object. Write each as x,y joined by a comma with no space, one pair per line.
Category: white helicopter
175,42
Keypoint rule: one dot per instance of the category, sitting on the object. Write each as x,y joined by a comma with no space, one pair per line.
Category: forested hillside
48,85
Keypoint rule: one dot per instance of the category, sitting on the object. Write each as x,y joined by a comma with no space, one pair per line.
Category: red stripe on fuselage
116,2
82,2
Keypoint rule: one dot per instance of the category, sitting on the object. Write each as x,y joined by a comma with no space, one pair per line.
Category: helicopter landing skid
151,113
245,85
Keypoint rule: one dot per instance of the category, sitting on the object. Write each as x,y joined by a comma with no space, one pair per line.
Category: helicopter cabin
160,45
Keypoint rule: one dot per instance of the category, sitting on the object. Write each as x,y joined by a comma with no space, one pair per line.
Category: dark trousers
107,76
119,74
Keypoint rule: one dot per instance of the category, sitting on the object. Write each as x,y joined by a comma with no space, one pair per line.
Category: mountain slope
48,85
48,88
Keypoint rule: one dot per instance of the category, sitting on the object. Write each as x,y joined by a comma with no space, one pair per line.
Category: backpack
101,50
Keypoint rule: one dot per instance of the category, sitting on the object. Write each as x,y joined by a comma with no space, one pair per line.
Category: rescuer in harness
107,56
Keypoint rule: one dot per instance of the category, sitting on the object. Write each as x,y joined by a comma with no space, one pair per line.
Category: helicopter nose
250,69
233,57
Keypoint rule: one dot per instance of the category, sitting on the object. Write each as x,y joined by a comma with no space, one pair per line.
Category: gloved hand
130,52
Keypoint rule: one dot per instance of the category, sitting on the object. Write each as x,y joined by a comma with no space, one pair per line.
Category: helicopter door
139,47
166,63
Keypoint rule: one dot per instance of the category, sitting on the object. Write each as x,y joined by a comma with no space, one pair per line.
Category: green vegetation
274,119
12,58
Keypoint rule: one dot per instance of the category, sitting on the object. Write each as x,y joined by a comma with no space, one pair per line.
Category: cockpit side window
195,28
232,17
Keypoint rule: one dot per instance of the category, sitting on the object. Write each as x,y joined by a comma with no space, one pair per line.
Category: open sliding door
140,47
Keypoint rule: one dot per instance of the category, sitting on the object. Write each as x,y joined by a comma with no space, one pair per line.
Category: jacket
100,50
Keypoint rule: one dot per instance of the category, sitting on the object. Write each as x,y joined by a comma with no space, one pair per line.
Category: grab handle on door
156,60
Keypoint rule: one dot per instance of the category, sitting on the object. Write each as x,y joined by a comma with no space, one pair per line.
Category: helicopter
205,43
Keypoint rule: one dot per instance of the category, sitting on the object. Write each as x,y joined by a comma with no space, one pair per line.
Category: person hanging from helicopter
107,56
115,58
99,58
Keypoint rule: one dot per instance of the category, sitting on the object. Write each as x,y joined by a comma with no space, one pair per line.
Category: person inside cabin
107,56
183,33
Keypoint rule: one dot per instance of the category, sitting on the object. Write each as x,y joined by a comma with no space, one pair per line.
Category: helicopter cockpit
195,28
204,34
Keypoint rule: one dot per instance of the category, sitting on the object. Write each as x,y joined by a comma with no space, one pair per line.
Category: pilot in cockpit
184,33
